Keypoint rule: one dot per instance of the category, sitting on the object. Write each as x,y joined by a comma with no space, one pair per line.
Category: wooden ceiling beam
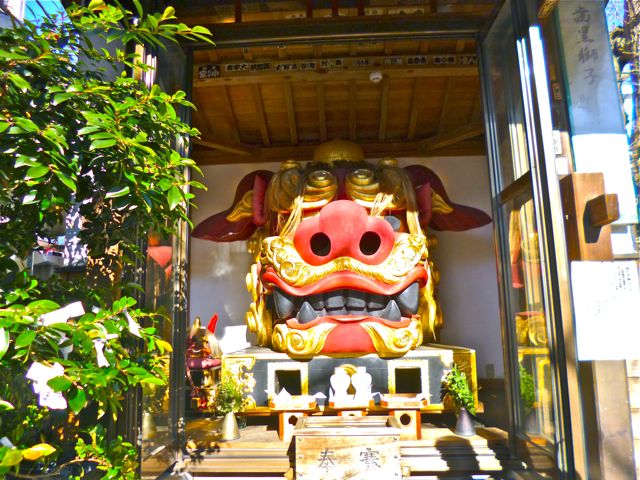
291,113
262,119
231,115
413,114
371,150
322,111
477,110
338,75
448,91
353,111
343,29
452,137
238,149
384,109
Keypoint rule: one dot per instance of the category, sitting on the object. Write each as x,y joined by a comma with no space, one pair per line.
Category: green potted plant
228,400
455,386
527,390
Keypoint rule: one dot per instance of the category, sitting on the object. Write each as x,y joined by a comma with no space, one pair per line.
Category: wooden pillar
605,395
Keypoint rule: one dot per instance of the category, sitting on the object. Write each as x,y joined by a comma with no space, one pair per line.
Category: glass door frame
542,183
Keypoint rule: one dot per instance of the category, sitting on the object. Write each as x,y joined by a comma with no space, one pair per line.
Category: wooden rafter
291,113
363,28
384,109
242,150
231,115
413,114
452,137
322,111
448,91
353,111
305,152
262,119
476,111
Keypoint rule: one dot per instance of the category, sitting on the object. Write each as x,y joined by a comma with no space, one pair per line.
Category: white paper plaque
606,298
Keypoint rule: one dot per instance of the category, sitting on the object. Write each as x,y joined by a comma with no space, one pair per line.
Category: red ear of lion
453,216
243,217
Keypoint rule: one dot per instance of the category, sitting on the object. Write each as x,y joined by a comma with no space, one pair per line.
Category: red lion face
341,256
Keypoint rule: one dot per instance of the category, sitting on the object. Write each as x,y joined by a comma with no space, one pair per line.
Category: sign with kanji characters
597,128
338,448
606,297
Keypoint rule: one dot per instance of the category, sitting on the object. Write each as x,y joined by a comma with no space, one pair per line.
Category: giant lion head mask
341,255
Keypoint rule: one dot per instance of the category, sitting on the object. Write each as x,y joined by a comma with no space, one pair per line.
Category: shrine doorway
478,104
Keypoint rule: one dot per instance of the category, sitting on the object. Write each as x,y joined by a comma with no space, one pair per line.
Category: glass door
530,240
161,408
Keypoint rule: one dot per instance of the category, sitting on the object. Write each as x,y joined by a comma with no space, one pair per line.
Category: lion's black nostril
320,244
370,243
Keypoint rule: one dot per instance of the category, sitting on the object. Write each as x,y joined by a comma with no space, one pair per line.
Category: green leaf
60,97
26,124
11,458
89,129
19,82
163,345
78,400
45,304
4,125
25,339
96,144
118,193
96,5
67,181
26,161
201,29
29,198
6,406
175,197
37,172
38,451
12,55
168,13
153,381
4,342
60,384
136,371
136,3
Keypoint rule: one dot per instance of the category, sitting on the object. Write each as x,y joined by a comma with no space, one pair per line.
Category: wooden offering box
339,448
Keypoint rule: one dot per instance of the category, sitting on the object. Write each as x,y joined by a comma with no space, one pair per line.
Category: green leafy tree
72,138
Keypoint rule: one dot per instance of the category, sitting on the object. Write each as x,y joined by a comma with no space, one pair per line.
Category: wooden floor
259,454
